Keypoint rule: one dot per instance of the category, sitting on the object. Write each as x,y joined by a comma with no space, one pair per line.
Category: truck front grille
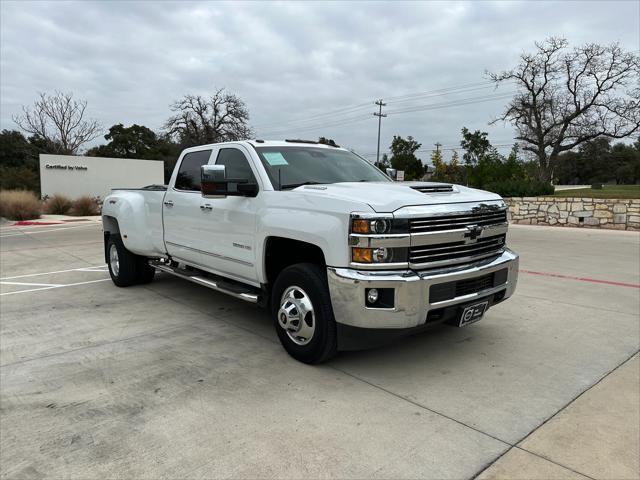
451,222
427,256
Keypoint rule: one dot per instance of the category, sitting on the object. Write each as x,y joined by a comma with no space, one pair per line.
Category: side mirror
393,173
215,184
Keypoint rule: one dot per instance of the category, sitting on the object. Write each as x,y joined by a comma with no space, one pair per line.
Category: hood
390,196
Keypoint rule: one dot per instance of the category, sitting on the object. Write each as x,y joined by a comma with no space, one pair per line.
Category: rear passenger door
181,210
229,228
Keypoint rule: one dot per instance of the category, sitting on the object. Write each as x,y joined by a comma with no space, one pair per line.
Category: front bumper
411,292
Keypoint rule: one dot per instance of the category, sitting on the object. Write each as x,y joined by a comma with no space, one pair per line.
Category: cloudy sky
304,69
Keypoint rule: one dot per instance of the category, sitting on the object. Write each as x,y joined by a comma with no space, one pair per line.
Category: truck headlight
367,225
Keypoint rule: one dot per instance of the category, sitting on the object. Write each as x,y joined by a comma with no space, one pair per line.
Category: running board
199,277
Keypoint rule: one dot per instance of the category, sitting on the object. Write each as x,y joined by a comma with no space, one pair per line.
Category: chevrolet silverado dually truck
342,255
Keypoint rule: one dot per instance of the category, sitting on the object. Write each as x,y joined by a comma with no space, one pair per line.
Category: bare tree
220,118
59,121
567,97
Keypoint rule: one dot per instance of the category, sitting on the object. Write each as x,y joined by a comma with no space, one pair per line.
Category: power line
464,101
358,118
398,99
486,83
379,115
318,126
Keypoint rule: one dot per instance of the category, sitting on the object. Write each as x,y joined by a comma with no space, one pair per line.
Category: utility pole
379,114
438,145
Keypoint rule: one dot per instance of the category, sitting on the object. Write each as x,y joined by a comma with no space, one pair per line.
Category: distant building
75,176
428,173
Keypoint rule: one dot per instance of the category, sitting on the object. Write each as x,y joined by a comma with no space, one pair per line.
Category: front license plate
472,313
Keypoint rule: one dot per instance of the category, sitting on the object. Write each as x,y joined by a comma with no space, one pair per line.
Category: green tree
138,141
454,170
475,145
383,164
403,157
19,168
439,167
16,150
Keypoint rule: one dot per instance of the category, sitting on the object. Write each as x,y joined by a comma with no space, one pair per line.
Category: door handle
168,203
206,206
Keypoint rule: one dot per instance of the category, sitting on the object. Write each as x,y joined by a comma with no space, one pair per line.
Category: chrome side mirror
215,184
213,181
393,173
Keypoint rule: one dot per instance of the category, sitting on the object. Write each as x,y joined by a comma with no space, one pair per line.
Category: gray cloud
289,61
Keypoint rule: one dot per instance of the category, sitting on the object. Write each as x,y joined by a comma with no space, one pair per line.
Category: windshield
290,167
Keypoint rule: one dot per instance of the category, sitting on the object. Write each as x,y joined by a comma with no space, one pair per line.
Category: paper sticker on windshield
274,158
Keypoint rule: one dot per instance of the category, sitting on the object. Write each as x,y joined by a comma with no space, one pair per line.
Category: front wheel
302,313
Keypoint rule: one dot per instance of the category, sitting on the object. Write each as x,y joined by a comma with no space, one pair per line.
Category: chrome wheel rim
296,315
114,261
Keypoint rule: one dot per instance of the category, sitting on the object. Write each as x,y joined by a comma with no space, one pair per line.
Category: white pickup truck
343,256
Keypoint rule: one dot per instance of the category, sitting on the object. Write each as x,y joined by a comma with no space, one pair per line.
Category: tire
296,288
125,268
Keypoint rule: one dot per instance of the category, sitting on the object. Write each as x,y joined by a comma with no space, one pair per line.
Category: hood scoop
434,188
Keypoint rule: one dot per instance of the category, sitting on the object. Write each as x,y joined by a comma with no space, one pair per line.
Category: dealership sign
58,166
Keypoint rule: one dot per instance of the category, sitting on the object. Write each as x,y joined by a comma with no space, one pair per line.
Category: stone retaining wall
619,214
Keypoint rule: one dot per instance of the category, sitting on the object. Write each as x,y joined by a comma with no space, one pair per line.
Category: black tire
313,280
130,269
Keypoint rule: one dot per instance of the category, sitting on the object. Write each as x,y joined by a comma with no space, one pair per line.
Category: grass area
608,191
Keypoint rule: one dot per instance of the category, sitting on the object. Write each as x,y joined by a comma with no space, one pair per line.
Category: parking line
582,279
31,284
97,268
22,233
57,286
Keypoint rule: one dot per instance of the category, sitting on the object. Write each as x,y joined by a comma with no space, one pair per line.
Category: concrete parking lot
174,380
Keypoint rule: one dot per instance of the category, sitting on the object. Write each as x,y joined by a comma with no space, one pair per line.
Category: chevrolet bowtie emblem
474,231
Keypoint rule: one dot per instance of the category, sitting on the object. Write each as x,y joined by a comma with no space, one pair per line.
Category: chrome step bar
196,277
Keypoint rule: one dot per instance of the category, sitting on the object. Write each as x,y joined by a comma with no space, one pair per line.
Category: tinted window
236,164
189,174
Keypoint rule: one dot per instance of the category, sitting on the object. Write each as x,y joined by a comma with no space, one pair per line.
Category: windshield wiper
296,185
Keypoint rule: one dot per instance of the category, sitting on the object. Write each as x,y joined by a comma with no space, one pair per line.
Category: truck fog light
361,255
372,295
380,254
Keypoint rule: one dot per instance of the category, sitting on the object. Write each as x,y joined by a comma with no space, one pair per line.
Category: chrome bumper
411,306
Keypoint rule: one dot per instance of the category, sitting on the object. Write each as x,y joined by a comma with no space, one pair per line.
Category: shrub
520,188
19,205
85,206
58,205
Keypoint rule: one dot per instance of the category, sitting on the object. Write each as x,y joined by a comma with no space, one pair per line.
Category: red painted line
29,223
582,279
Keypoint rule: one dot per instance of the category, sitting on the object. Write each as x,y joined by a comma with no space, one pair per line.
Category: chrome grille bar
448,222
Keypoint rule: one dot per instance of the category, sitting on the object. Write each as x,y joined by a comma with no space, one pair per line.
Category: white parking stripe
57,286
23,232
97,268
31,284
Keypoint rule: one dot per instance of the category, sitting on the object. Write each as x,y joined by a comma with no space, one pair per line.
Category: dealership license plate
472,313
